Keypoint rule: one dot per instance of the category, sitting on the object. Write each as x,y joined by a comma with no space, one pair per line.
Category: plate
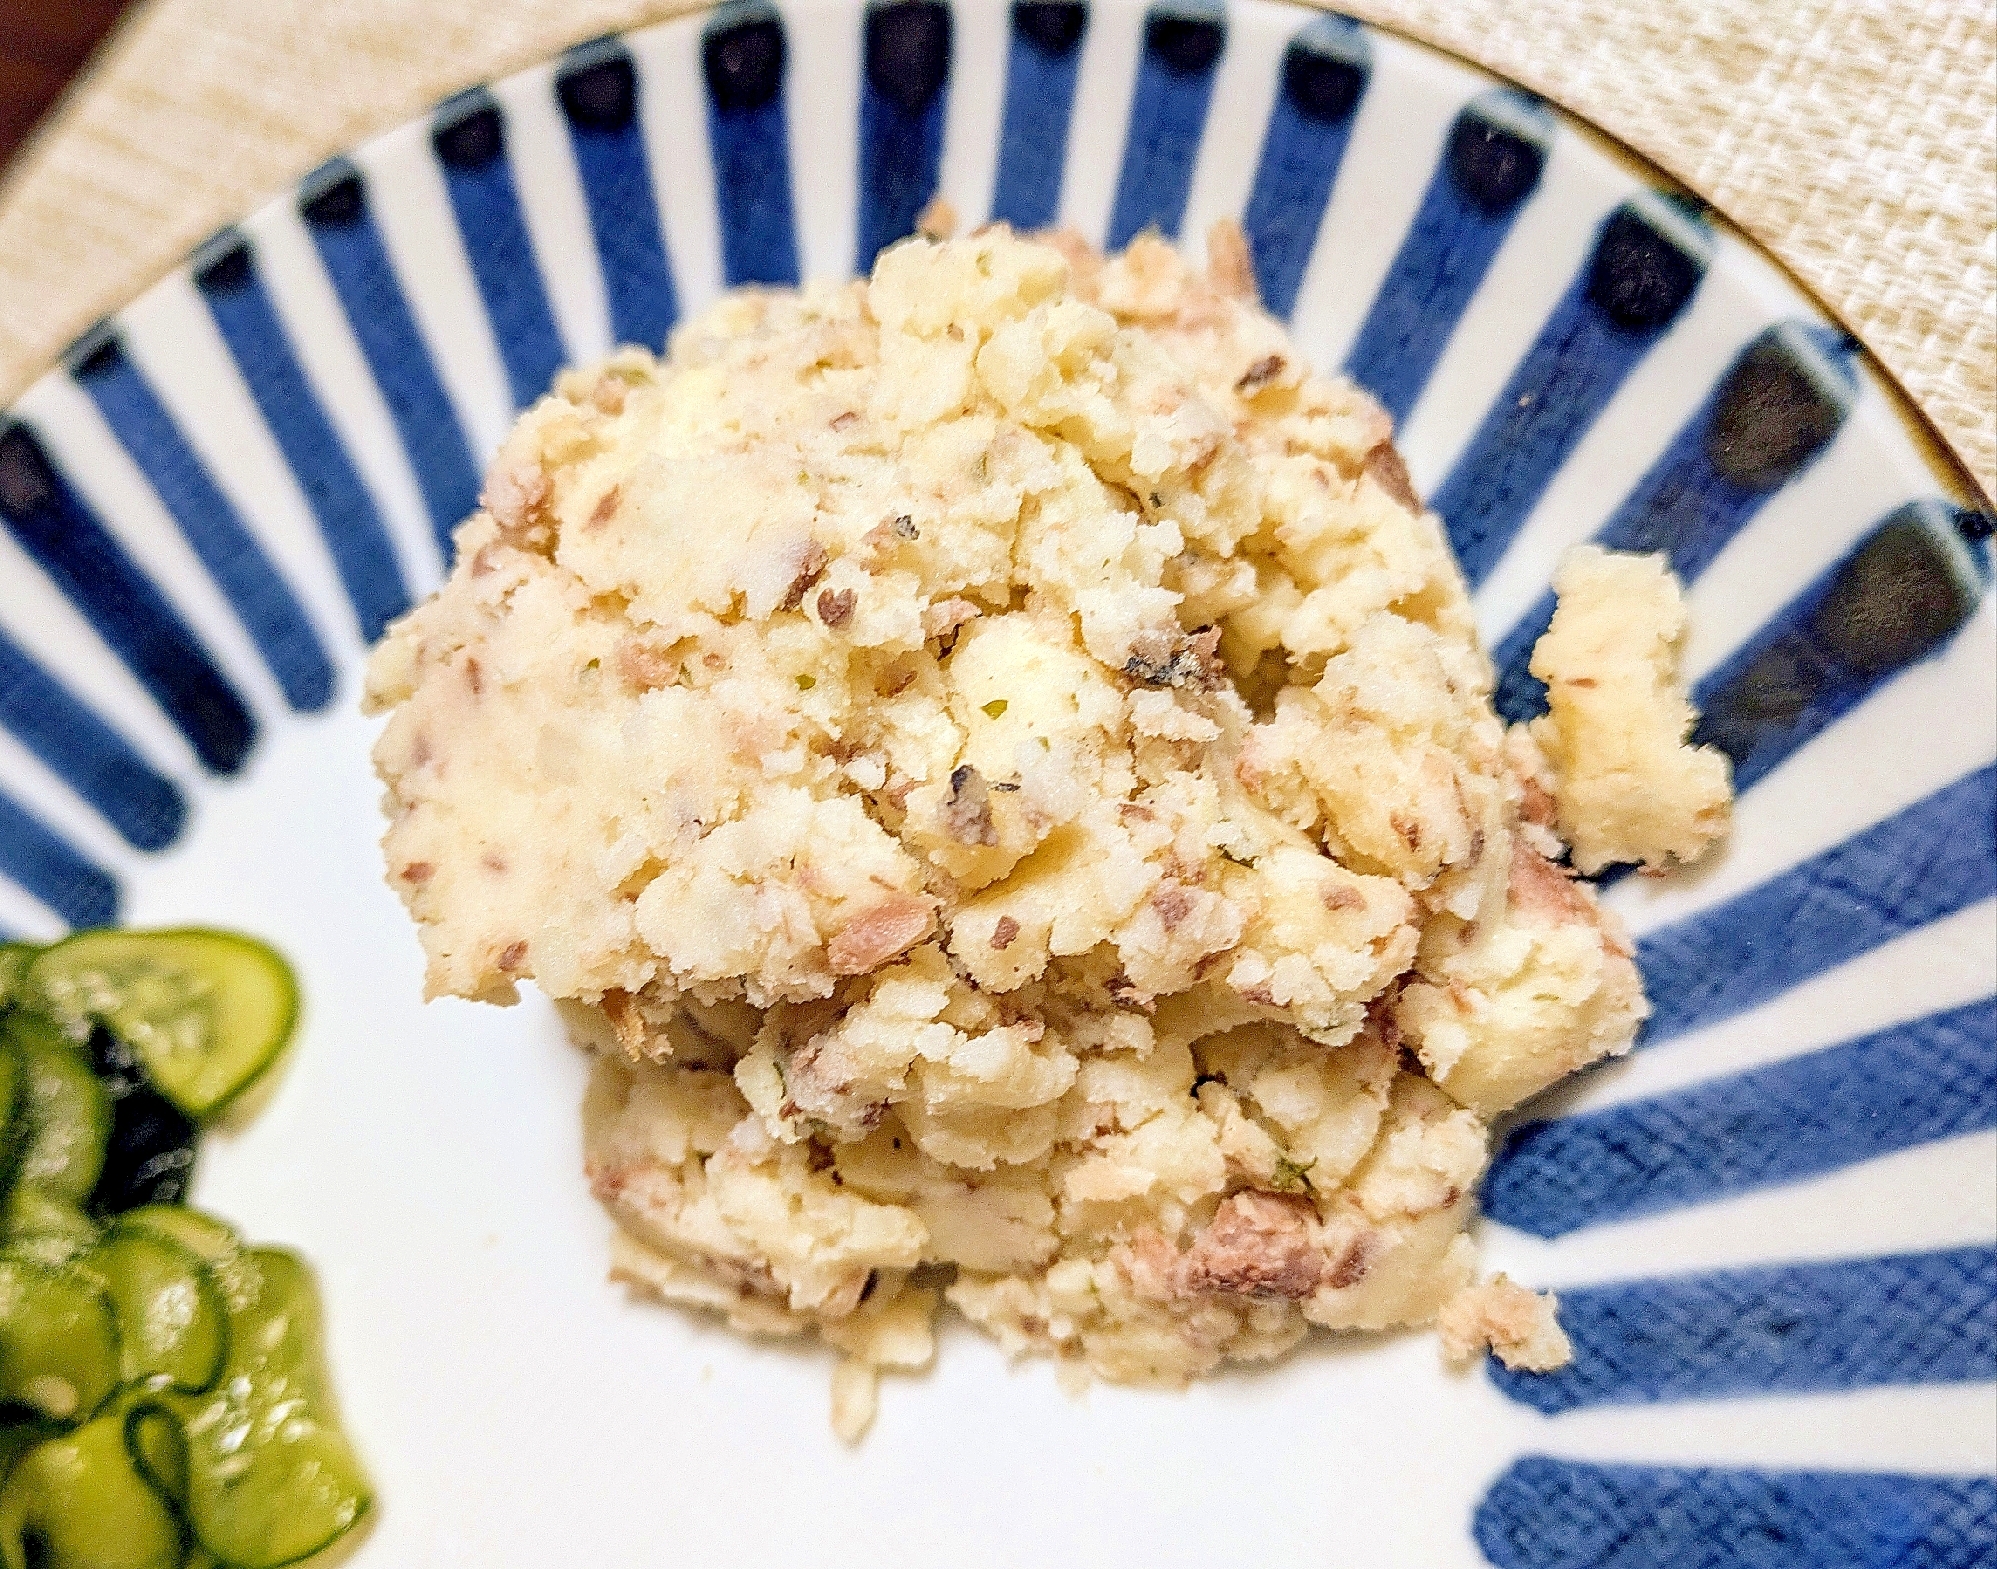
1772,1226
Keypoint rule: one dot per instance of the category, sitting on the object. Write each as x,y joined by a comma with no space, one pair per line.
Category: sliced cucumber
17,1438
207,1011
271,1478
14,960
35,1219
58,1339
11,1075
170,1313
47,1230
79,1502
64,1117
208,1239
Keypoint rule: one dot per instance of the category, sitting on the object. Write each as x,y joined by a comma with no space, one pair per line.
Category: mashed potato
1626,785
996,762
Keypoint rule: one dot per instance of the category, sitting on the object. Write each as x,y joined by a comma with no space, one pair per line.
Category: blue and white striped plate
1772,1227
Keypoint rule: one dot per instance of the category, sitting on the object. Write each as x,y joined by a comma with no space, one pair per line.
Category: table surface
41,47
1856,139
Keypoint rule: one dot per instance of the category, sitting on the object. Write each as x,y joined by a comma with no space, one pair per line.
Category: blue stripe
333,202
1649,259
1559,1514
1896,598
1909,1085
904,91
1183,40
743,57
43,862
1936,857
88,755
262,600
598,88
1912,1318
225,273
1777,408
1324,75
43,511
1490,168
1042,62
468,134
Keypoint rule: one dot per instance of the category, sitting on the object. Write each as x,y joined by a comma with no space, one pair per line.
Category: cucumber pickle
65,1116
78,1501
164,1402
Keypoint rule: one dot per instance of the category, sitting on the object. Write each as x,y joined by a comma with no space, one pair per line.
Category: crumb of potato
856,1397
1520,1327
1628,785
937,220
996,764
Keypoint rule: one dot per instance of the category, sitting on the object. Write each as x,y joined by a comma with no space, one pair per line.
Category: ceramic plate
1771,1227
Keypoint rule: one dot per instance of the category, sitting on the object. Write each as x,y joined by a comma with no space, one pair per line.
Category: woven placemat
1856,139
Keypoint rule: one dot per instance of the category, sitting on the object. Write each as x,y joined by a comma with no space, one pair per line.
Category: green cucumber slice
17,1438
36,1216
14,960
48,1230
65,1114
58,1340
271,1478
170,1313
208,1239
207,1011
80,1500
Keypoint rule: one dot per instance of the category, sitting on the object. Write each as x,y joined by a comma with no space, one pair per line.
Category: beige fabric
1857,139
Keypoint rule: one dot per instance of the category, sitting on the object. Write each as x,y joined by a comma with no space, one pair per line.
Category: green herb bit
1292,1177
995,709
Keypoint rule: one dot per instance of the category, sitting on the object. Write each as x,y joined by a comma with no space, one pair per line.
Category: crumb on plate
1628,786
1520,1327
